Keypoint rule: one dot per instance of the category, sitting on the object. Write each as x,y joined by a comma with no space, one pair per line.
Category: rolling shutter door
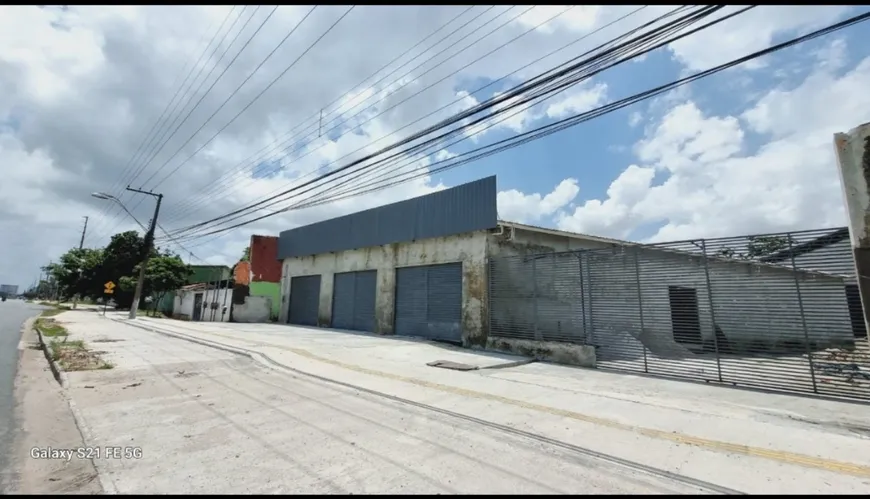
429,301
353,300
304,300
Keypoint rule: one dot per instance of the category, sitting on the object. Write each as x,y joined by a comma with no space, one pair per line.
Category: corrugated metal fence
777,311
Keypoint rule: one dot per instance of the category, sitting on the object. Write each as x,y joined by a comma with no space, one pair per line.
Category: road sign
110,288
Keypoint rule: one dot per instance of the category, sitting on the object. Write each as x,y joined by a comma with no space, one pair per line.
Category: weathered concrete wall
551,351
270,290
222,298
468,248
255,309
610,299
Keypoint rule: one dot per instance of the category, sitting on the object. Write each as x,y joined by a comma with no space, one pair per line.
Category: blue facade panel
464,208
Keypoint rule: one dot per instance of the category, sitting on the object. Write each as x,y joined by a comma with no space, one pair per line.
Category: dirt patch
75,356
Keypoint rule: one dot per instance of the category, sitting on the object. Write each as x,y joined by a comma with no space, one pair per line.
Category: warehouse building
443,267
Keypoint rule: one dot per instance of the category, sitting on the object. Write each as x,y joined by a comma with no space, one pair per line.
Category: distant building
9,289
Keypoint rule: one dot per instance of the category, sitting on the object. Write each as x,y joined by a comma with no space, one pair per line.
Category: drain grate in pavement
456,366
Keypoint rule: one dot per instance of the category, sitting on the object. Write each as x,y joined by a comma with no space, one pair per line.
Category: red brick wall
242,274
264,259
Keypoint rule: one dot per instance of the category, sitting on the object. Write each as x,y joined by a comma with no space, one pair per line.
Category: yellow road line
716,445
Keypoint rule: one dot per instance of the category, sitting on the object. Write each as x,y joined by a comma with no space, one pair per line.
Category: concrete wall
254,309
183,306
468,248
270,290
599,295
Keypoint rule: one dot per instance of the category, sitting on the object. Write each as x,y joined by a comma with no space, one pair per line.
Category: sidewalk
209,421
760,442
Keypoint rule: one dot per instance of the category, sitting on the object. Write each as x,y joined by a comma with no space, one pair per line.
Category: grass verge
74,356
52,312
50,327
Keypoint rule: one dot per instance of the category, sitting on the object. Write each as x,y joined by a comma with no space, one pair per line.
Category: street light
149,240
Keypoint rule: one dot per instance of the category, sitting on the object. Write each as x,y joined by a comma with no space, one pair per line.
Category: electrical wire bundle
531,92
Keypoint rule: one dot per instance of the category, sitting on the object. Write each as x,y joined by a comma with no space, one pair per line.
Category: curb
58,373
86,433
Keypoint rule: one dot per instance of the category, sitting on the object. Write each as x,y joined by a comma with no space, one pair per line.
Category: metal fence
777,311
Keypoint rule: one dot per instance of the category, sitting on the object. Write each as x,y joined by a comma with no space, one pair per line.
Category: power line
236,90
334,24
540,80
573,120
494,82
161,138
256,97
319,114
146,141
157,150
202,97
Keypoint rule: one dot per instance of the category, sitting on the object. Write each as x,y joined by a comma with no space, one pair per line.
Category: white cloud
716,185
81,86
750,32
515,206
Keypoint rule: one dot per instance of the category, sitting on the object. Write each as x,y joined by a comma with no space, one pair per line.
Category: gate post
712,312
640,303
797,286
535,296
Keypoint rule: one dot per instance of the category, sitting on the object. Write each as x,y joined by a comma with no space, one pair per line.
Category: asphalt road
13,313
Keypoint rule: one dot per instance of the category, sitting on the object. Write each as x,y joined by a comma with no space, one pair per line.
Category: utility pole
81,246
149,242
84,231
853,161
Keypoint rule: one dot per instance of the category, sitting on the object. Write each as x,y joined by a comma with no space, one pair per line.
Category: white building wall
468,248
184,300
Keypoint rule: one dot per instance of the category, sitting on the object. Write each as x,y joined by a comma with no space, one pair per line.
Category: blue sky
596,152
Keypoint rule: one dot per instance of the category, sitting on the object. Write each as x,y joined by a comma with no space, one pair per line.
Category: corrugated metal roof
464,208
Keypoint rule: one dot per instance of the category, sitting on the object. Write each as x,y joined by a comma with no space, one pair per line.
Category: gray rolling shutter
353,300
429,301
304,300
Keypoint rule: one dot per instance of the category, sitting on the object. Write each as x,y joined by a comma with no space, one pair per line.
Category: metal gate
429,301
304,300
774,311
353,300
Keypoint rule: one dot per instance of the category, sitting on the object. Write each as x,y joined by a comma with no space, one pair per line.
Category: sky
179,100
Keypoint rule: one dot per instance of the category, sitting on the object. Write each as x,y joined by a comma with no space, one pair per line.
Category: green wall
208,273
271,289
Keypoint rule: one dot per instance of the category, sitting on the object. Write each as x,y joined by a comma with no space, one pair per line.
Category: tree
164,273
86,271
246,255
756,247
76,272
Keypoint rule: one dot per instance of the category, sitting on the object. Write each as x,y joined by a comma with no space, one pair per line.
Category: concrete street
320,411
13,313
